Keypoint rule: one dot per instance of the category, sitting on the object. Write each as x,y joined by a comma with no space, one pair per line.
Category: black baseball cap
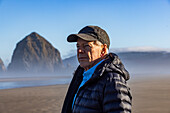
91,33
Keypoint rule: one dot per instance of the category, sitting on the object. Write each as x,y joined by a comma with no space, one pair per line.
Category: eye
86,46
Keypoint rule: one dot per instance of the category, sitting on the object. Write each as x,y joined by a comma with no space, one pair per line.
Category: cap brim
74,37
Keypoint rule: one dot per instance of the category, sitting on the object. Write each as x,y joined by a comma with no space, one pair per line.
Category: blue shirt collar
90,71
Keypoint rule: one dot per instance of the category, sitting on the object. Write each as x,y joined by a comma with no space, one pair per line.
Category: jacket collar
112,63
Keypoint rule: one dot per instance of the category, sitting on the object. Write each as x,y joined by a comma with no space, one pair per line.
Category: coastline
150,95
12,82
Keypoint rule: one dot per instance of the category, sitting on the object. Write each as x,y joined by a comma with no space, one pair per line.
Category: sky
129,23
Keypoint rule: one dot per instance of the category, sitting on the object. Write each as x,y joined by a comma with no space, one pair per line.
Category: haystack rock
2,67
34,54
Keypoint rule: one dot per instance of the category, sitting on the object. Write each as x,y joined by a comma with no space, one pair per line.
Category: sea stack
34,54
2,67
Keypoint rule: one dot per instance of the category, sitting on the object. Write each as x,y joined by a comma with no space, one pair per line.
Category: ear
104,50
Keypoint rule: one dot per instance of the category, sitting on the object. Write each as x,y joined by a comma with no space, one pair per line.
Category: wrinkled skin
89,53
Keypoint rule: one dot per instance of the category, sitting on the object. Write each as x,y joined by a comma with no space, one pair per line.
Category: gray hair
100,44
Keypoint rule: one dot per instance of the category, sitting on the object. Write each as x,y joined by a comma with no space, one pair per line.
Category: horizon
129,24
114,50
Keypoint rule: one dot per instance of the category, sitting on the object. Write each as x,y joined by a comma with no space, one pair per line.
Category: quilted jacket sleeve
117,97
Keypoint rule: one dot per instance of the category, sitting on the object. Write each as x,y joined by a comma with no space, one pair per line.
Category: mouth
82,58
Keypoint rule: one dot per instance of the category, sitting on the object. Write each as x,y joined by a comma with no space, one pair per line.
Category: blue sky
129,23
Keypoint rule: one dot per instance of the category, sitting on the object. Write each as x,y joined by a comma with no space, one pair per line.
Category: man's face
88,53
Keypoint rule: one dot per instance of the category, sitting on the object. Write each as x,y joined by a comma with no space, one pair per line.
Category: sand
150,95
44,99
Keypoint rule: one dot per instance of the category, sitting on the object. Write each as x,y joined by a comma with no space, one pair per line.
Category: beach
150,95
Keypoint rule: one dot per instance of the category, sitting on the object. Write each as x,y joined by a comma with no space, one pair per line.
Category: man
99,83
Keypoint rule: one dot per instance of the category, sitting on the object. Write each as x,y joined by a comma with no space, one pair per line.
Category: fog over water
15,81
140,64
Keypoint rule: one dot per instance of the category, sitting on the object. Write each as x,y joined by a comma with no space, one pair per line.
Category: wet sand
150,95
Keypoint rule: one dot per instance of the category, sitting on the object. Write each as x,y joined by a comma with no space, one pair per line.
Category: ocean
9,82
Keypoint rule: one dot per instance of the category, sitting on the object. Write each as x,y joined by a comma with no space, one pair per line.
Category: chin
84,64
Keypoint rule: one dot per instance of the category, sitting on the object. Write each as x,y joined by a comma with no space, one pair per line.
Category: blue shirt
86,76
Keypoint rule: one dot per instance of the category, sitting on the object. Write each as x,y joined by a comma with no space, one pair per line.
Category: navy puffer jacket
105,92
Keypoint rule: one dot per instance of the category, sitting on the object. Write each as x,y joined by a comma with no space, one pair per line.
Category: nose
80,50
